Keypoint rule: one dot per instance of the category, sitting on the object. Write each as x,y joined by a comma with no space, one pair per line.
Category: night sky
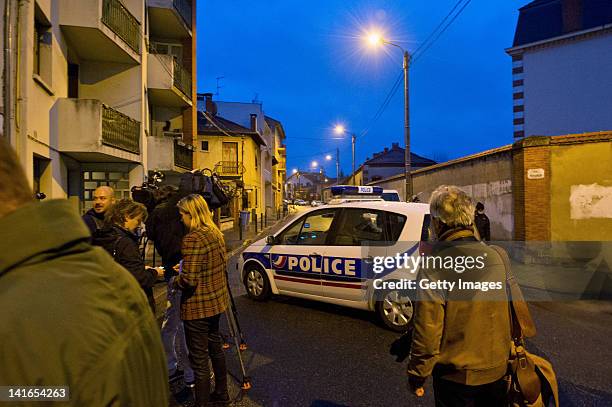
307,63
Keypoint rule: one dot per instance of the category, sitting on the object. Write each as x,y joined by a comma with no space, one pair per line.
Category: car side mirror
270,240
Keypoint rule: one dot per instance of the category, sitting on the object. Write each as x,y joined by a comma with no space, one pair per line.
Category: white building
562,67
99,92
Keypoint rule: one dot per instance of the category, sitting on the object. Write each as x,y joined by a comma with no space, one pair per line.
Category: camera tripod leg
246,380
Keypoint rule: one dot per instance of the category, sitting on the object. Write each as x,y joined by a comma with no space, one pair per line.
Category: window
358,226
204,145
310,230
164,48
42,49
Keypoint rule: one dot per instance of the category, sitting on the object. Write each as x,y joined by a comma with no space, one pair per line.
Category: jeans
173,336
451,394
204,341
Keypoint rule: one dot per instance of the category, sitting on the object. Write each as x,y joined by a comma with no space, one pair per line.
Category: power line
416,51
384,104
416,57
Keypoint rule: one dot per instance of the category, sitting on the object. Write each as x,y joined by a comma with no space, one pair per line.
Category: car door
296,257
359,235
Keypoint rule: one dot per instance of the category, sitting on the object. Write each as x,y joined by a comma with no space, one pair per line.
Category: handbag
531,380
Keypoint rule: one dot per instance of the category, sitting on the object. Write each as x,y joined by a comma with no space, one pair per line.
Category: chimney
572,15
205,101
394,145
386,149
253,122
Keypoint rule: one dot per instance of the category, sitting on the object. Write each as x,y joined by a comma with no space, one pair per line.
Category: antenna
256,98
218,86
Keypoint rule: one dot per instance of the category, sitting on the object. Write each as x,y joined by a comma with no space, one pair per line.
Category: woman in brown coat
203,280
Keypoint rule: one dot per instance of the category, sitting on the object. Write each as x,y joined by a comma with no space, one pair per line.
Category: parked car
324,256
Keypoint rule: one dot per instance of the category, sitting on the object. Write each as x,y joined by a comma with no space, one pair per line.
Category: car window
358,226
425,235
395,223
290,235
390,196
316,228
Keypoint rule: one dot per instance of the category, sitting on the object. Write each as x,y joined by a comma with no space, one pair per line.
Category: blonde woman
203,281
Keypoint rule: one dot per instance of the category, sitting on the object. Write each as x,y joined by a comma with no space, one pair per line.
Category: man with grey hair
72,317
461,335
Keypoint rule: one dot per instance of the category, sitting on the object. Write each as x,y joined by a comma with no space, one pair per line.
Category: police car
328,254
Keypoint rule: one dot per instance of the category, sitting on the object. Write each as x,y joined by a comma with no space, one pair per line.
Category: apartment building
561,64
245,148
99,92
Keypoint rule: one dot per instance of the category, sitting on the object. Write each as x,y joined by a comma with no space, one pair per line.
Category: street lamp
339,129
314,164
376,39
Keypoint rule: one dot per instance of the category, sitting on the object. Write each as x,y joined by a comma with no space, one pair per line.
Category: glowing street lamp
294,171
340,129
376,39
314,164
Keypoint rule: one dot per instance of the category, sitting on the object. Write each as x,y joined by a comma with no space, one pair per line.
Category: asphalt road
304,353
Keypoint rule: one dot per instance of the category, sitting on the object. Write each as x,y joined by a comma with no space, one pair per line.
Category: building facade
85,91
561,64
245,148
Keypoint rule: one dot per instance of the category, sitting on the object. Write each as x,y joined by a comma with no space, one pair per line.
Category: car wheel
395,310
256,283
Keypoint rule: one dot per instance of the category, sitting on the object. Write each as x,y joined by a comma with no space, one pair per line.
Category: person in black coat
119,238
482,222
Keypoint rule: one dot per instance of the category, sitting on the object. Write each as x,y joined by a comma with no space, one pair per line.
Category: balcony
169,83
101,30
169,154
170,18
229,169
88,130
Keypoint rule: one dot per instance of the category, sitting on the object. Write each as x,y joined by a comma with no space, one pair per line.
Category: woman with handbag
203,281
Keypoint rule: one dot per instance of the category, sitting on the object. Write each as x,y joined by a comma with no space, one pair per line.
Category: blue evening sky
305,61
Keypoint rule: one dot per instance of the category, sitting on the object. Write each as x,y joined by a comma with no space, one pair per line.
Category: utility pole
337,166
353,143
408,163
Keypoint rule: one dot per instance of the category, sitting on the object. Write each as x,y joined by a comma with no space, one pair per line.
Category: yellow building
234,153
279,162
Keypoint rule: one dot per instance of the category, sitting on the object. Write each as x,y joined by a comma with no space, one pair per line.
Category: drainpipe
6,83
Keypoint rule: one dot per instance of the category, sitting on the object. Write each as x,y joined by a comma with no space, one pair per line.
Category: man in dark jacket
461,334
166,229
482,222
71,316
103,199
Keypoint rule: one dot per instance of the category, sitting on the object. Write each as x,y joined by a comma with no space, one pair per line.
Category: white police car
327,254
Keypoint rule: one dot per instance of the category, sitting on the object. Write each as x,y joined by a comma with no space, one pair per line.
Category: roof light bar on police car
352,190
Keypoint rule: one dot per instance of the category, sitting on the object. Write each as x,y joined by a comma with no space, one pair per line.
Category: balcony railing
183,155
182,79
116,17
184,9
229,168
120,131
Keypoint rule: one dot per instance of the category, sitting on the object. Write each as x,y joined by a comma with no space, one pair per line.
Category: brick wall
531,190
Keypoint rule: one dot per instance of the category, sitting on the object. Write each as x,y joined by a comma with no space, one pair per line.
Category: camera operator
166,229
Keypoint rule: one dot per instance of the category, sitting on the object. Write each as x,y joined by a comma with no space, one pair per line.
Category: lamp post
339,129
376,39
328,157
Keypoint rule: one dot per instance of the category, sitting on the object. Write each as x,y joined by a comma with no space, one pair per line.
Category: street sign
535,173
